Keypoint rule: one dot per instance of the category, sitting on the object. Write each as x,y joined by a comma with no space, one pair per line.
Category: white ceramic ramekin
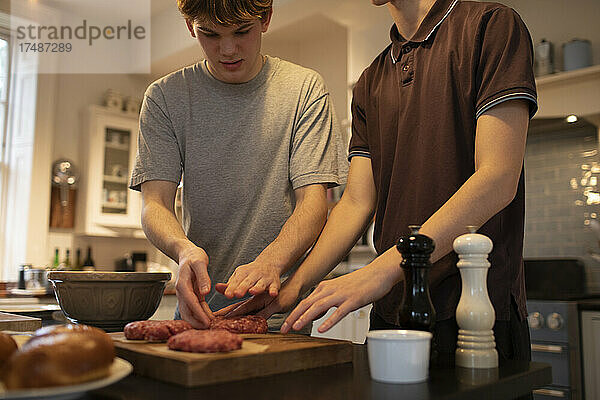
399,356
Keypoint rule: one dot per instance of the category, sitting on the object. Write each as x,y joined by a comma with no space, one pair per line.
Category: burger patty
242,324
155,330
205,341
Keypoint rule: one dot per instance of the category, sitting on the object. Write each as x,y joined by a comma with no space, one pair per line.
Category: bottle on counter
125,264
139,260
78,265
416,311
66,264
21,282
88,263
56,262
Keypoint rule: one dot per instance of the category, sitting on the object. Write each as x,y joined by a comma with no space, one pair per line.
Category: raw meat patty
155,331
242,324
205,341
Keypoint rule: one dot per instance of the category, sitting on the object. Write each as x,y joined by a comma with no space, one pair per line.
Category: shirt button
405,67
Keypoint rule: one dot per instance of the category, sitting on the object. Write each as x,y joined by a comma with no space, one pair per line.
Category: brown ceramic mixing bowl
108,300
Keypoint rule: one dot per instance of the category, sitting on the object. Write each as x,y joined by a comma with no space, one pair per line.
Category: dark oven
554,287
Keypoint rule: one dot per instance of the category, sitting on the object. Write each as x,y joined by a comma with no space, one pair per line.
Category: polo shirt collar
434,18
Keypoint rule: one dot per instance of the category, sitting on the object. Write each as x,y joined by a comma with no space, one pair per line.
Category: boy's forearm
163,230
499,149
473,204
346,223
298,233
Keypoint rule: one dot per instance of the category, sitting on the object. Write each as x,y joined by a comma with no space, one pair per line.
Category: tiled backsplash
562,177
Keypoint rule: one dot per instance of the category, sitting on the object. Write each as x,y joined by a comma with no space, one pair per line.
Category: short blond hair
224,12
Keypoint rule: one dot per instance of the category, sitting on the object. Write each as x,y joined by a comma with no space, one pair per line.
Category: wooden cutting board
260,355
18,323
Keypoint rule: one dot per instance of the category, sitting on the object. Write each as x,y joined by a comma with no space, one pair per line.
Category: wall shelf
571,92
115,179
116,146
565,77
115,206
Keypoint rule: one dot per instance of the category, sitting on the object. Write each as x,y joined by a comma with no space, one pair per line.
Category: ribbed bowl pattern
110,303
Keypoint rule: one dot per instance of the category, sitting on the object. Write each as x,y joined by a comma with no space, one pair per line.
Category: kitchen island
347,381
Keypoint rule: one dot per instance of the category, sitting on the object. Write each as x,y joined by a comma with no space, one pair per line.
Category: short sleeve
318,148
359,143
505,69
158,154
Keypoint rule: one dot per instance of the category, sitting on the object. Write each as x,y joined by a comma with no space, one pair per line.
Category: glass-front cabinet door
109,206
116,170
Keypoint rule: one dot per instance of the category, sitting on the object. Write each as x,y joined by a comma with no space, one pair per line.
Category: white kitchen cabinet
106,206
590,342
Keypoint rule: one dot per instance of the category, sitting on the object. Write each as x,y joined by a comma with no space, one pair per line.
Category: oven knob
555,321
536,320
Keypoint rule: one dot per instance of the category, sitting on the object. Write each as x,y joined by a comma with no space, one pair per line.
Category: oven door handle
547,348
550,393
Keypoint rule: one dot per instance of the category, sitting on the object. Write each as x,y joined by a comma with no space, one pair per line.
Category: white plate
118,370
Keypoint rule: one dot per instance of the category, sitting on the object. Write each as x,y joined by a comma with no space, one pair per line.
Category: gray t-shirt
242,149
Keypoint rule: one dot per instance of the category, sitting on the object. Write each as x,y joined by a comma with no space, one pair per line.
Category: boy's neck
408,15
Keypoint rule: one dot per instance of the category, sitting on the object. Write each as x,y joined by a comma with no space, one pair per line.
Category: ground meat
155,331
205,341
243,324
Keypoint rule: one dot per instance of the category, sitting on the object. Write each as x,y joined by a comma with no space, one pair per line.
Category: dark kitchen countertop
347,381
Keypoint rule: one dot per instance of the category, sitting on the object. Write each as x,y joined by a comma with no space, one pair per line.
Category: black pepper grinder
416,311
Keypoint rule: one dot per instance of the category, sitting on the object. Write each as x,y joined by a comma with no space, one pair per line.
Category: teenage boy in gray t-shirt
256,142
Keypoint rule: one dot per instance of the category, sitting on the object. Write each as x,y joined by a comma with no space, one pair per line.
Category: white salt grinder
475,314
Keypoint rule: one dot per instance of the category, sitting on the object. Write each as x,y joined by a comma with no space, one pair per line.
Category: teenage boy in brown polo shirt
439,128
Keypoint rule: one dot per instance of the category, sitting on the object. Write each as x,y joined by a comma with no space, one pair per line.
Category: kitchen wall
74,93
560,21
561,167
321,46
364,44
105,250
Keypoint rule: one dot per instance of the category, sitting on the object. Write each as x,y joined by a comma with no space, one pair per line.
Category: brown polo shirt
414,113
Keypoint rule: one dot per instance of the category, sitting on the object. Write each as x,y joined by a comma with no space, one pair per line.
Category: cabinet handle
550,392
547,348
